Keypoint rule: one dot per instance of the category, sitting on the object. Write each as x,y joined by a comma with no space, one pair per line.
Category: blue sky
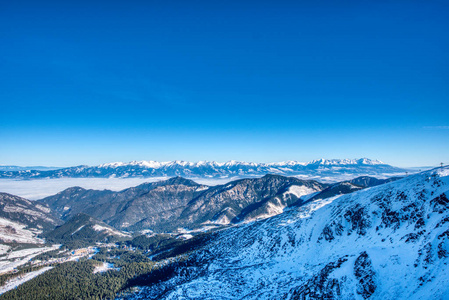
94,82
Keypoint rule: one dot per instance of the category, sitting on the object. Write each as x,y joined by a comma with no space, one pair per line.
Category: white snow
300,191
203,188
104,267
222,220
24,252
186,236
362,161
270,258
15,232
78,229
15,259
97,227
18,209
158,165
16,281
323,170
4,249
147,232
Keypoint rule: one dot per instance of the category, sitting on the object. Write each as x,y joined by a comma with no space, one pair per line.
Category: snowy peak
325,169
345,162
233,163
367,161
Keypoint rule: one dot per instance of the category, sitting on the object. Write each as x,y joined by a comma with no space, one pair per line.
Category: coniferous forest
77,280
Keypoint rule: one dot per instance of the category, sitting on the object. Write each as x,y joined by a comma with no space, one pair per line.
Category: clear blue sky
88,82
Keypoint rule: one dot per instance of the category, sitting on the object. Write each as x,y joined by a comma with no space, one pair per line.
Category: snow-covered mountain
386,242
182,203
322,168
18,168
22,220
350,186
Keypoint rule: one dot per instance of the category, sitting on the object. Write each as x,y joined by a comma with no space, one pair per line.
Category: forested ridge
77,280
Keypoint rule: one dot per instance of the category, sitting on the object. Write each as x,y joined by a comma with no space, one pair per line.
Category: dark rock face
440,203
331,231
321,286
359,219
363,271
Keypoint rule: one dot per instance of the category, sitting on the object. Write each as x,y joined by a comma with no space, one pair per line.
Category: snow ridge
204,169
386,242
157,165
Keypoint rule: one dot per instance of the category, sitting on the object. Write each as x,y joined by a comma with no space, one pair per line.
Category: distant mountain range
18,168
318,168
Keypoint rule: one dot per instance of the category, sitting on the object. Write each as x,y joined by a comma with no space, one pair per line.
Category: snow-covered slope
83,228
14,232
22,220
386,242
323,168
